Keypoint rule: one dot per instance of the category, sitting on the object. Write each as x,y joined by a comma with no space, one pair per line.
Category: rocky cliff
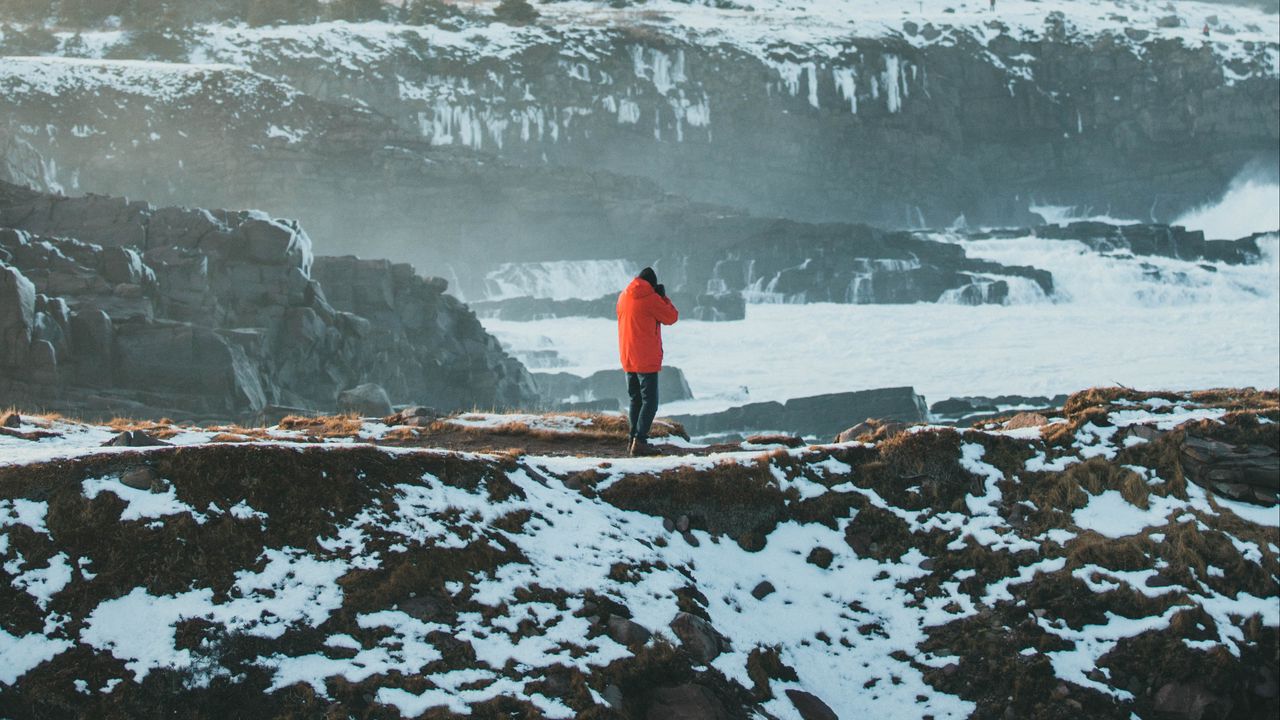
474,141
109,305
233,138
868,112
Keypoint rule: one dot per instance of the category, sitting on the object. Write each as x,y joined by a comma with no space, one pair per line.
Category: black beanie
649,276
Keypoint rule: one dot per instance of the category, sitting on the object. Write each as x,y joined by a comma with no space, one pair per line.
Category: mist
1250,204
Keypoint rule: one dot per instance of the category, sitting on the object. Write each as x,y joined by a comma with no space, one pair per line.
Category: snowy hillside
1072,567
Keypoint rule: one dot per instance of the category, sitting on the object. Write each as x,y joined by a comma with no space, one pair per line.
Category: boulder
762,590
627,632
606,389
1168,21
871,430
685,702
821,415
1250,473
141,478
270,242
820,556
17,315
366,400
413,416
1025,420
11,420
121,265
810,706
134,438
697,637
1190,701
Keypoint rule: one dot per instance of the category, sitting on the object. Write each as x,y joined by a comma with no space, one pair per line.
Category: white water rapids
1145,322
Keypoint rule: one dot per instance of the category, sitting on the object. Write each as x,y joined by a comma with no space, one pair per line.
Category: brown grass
612,427
1090,548
734,499
325,426
161,429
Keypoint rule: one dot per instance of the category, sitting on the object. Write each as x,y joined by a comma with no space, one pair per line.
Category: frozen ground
317,588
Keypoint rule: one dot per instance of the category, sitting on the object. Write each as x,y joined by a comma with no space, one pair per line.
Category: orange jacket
641,314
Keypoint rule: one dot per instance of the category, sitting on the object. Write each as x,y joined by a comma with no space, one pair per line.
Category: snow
1266,517
30,513
292,588
1109,514
549,423
22,653
405,649
243,511
140,504
43,583
165,81
1091,642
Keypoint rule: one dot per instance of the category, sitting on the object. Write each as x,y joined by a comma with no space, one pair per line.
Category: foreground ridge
1087,562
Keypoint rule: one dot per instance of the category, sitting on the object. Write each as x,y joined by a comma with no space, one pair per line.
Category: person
643,308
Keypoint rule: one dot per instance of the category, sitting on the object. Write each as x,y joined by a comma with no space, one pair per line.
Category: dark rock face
698,637
608,388
384,183
1190,701
1250,473
810,706
823,137
627,632
108,305
971,407
367,400
822,415
1162,240
134,438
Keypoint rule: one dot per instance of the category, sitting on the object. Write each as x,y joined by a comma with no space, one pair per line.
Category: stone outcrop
821,415
968,408
1250,472
608,387
916,125
242,139
1159,240
108,305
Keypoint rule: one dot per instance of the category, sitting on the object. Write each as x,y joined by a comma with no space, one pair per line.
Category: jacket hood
640,287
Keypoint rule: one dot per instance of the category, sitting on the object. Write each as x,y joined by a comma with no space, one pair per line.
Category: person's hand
662,289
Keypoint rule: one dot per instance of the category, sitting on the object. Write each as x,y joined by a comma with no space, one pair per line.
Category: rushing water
1139,321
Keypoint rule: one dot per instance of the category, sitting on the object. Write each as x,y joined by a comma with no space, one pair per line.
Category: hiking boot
642,448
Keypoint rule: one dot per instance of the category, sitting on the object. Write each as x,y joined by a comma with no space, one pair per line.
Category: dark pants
643,389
